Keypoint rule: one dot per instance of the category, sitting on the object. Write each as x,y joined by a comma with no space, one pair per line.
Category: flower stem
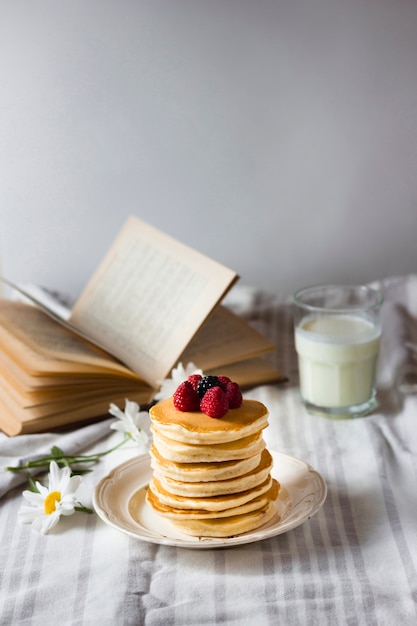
83,509
63,459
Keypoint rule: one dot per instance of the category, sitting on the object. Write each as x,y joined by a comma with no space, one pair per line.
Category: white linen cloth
355,562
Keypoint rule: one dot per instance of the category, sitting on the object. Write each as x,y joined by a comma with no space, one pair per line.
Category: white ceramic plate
119,499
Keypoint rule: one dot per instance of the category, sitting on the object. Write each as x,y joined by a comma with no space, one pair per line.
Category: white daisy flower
178,375
46,507
133,422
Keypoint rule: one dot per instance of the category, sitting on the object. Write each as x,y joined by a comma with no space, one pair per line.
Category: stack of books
153,302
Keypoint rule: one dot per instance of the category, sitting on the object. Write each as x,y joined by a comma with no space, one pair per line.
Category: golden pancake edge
194,427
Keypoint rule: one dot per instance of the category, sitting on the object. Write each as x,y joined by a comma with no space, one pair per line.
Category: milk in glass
337,357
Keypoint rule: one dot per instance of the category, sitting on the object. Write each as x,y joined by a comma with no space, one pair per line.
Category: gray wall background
277,136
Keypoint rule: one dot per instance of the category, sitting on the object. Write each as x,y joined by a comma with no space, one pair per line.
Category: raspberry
215,402
234,395
223,380
207,382
185,397
194,380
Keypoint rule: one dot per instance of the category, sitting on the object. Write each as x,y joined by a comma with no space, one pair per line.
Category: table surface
354,562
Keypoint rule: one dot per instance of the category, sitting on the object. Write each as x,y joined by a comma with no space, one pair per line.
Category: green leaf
57,452
32,485
80,472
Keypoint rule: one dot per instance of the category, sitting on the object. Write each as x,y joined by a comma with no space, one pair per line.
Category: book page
15,420
250,373
39,344
30,293
225,338
148,298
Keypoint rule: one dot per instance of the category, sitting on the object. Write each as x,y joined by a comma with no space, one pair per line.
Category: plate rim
281,526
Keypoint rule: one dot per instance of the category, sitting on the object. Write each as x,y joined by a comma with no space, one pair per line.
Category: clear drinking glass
337,338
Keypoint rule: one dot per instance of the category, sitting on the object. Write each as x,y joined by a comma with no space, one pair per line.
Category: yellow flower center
50,501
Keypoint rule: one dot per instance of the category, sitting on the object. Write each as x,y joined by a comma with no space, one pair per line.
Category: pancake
202,472
231,451
213,503
211,470
194,427
229,526
218,487
181,514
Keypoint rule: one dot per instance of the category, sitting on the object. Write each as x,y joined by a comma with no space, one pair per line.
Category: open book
152,303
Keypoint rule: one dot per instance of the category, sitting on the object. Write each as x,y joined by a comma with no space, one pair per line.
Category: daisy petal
115,411
36,499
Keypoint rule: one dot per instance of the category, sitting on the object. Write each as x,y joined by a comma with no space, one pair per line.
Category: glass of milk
337,337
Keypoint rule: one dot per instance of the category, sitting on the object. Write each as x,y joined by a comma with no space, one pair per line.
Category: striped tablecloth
354,562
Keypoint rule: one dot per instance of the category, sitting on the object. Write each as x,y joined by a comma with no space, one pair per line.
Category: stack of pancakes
212,477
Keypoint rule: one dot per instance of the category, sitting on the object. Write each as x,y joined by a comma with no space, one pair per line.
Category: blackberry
207,382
